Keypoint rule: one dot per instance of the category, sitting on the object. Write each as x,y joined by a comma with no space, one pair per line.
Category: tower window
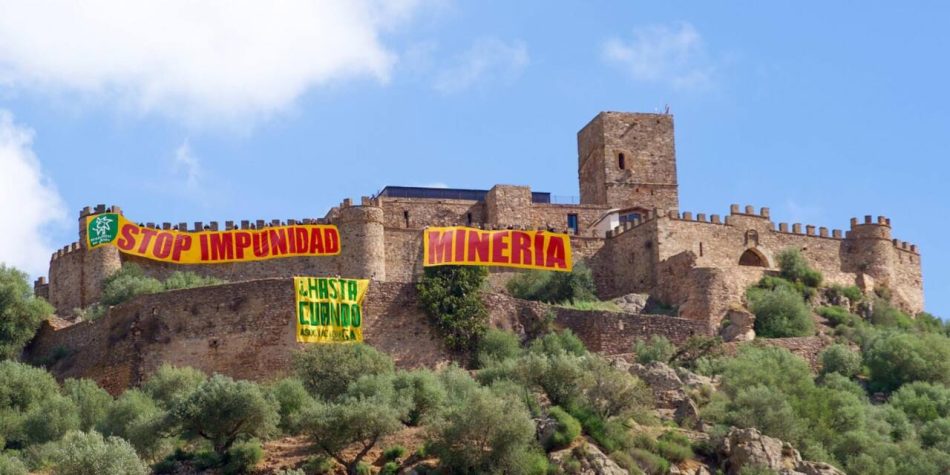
621,161
405,215
572,222
468,218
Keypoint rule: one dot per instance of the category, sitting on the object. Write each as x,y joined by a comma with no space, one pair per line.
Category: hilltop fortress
627,227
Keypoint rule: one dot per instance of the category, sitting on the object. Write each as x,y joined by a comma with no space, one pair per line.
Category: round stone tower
870,249
362,247
98,263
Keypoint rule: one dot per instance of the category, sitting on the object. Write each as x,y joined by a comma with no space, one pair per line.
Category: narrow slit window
405,216
572,222
468,219
621,161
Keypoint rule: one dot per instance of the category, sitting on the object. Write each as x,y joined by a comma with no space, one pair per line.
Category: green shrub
650,463
780,313
886,315
242,456
852,293
612,392
189,280
363,469
170,383
394,453
292,399
80,453
135,417
921,401
451,297
319,464
497,345
795,268
568,428
20,312
91,401
554,287
130,281
10,465
657,349
327,370
626,462
936,433
840,359
483,433
928,323
674,447
223,411
423,392
336,426
50,420
895,358
389,468
557,343
837,316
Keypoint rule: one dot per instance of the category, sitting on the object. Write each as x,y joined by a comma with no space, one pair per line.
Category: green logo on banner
103,229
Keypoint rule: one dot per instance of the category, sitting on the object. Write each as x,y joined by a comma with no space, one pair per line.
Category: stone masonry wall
615,333
245,330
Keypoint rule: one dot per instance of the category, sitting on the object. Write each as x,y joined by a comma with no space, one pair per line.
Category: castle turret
628,160
869,249
363,252
98,263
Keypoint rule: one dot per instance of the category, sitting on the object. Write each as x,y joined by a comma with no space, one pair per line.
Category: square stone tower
628,160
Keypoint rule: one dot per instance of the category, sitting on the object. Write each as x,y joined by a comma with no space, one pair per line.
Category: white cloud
30,201
185,164
673,54
202,60
489,59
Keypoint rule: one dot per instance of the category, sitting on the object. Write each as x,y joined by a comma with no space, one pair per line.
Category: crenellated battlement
68,249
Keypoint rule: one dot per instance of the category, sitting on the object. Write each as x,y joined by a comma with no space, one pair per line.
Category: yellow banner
459,245
329,310
211,247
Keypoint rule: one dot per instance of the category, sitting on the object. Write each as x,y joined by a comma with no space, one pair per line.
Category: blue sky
178,111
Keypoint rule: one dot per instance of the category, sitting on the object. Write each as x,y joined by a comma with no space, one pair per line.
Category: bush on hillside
657,349
451,297
886,315
171,383
424,394
81,453
130,281
223,411
497,345
484,433
327,370
838,316
895,358
568,428
336,426
137,418
292,400
91,401
20,312
554,287
840,359
794,267
780,313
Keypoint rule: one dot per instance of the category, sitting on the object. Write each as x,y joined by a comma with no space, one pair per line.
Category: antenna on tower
666,109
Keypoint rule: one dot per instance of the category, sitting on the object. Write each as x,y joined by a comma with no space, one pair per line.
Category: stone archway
752,257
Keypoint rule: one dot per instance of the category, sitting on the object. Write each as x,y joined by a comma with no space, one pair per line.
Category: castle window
405,215
572,223
621,161
700,249
468,219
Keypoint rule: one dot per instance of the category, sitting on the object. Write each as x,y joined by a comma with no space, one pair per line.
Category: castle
627,227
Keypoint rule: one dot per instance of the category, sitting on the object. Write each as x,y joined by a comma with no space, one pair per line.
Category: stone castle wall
246,330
